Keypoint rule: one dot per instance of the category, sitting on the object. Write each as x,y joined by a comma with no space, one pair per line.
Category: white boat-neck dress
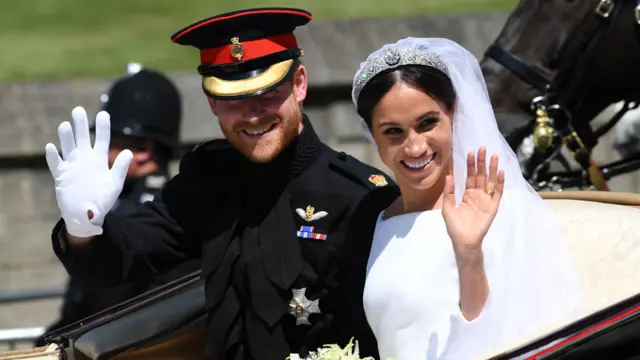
411,293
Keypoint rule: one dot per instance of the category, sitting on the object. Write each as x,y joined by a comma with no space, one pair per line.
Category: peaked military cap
245,53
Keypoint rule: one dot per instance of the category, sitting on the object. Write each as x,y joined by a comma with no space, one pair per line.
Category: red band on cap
253,49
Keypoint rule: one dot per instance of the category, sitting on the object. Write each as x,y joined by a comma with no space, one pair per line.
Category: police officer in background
145,108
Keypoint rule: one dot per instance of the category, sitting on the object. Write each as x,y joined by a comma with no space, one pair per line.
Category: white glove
85,187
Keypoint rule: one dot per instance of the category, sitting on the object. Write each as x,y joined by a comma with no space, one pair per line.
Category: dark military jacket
139,191
271,237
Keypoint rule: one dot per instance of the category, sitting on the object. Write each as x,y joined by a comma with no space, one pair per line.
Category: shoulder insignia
378,180
360,172
309,214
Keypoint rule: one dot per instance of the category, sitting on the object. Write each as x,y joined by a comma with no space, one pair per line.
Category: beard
267,149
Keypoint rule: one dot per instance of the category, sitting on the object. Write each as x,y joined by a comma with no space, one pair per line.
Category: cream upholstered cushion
605,240
603,231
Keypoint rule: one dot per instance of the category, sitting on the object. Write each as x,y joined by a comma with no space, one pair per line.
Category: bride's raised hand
469,222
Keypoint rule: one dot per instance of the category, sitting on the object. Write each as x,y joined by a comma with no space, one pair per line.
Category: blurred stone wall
30,113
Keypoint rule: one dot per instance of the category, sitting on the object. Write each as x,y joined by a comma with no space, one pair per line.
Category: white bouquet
334,352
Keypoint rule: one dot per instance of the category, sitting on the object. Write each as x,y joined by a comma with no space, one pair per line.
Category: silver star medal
301,307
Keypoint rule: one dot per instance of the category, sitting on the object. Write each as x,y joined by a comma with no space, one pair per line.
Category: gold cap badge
378,180
237,49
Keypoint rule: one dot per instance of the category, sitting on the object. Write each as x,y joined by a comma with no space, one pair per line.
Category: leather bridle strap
518,67
572,94
577,81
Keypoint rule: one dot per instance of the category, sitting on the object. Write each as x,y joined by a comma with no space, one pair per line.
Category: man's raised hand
86,188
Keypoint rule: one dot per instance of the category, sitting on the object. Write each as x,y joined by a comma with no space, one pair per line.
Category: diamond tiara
393,57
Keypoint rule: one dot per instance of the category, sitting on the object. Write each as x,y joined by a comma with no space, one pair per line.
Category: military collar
295,158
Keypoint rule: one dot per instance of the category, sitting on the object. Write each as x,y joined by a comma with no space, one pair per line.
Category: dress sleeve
152,240
533,286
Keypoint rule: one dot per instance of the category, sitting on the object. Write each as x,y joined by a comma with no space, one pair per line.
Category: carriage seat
603,230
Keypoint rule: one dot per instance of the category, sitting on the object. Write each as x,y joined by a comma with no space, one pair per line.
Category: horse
553,67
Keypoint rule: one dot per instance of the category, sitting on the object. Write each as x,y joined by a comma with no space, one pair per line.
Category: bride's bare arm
474,288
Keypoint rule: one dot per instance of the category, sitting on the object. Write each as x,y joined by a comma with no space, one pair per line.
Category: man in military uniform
267,208
145,109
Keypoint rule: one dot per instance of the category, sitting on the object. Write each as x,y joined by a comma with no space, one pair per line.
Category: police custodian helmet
245,53
145,105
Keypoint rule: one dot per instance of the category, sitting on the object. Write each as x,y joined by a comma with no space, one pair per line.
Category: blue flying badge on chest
310,216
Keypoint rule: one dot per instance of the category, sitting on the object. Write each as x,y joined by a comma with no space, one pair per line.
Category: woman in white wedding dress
468,260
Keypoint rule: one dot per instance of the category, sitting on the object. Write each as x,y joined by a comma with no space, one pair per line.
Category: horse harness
567,90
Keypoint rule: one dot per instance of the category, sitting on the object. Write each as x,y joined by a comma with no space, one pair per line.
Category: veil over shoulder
534,287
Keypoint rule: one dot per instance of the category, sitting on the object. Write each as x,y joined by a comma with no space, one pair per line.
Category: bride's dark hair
431,81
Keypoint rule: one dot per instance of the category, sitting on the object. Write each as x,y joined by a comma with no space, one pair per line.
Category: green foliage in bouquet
335,352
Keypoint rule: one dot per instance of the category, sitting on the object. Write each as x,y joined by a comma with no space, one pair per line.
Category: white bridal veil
533,285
